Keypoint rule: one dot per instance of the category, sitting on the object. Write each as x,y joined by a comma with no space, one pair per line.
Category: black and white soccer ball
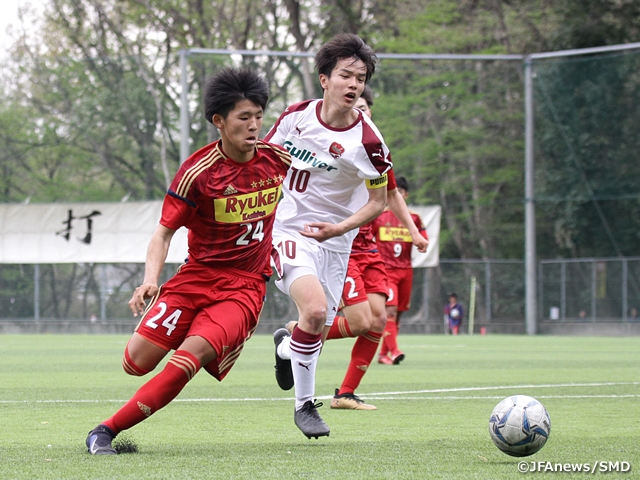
519,425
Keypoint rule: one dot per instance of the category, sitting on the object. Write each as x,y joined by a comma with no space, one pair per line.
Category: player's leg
356,320
313,278
305,345
153,395
166,321
362,354
165,326
141,356
388,344
404,285
354,300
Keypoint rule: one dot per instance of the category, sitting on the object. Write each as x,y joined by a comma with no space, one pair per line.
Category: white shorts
294,257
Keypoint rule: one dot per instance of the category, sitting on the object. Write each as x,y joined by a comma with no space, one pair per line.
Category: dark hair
345,45
402,183
367,94
229,86
452,294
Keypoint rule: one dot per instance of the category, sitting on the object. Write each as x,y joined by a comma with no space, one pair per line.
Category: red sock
391,339
339,329
388,332
157,392
362,354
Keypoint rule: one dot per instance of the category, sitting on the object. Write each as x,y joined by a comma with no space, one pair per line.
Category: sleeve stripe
191,174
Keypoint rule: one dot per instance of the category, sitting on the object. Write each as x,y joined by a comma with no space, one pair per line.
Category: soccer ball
455,313
519,425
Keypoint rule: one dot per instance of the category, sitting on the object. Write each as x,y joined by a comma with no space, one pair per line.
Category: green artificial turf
431,422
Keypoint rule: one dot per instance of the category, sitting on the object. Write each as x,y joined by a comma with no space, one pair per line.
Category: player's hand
137,303
321,231
421,243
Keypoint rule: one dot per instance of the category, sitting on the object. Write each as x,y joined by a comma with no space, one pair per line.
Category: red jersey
364,241
228,207
394,240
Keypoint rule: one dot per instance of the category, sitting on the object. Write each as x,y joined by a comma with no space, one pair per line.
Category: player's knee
359,324
130,367
378,323
314,317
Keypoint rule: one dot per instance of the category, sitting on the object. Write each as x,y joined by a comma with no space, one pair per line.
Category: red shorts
400,281
365,274
221,306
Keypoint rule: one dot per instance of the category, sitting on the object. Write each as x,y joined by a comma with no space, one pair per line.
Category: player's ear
218,121
324,80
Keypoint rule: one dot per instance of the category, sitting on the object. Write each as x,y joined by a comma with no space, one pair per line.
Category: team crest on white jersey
336,150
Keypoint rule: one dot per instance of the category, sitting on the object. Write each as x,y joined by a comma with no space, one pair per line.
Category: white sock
304,371
284,349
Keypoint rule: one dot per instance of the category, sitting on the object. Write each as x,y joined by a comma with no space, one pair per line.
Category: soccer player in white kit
336,183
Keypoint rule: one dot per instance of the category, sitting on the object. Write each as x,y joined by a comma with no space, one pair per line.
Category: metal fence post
36,292
425,295
103,292
563,290
625,292
531,298
487,289
593,290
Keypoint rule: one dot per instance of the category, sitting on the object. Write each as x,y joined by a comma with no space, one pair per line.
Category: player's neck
337,116
240,156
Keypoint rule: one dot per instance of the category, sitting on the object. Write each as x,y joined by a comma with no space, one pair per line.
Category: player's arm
322,231
399,208
156,255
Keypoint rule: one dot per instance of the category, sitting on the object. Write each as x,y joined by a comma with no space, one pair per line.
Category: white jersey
325,182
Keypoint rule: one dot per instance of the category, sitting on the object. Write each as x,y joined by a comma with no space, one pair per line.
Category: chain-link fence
583,290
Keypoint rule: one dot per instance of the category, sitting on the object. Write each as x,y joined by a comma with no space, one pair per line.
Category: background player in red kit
226,195
394,243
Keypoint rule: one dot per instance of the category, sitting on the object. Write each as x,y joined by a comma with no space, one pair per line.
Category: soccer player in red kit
394,243
226,195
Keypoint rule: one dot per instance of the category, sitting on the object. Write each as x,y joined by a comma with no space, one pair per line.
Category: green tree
455,127
587,166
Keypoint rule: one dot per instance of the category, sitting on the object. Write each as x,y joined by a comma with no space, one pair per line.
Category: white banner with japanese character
430,216
82,233
119,233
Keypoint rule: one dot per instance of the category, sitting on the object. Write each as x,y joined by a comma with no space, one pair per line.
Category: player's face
363,106
346,83
240,130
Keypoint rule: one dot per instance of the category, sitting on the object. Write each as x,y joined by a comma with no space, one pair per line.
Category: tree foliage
91,103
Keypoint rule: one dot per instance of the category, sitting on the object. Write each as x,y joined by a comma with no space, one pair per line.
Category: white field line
402,395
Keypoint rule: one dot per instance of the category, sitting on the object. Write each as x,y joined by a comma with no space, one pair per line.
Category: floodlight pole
531,301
